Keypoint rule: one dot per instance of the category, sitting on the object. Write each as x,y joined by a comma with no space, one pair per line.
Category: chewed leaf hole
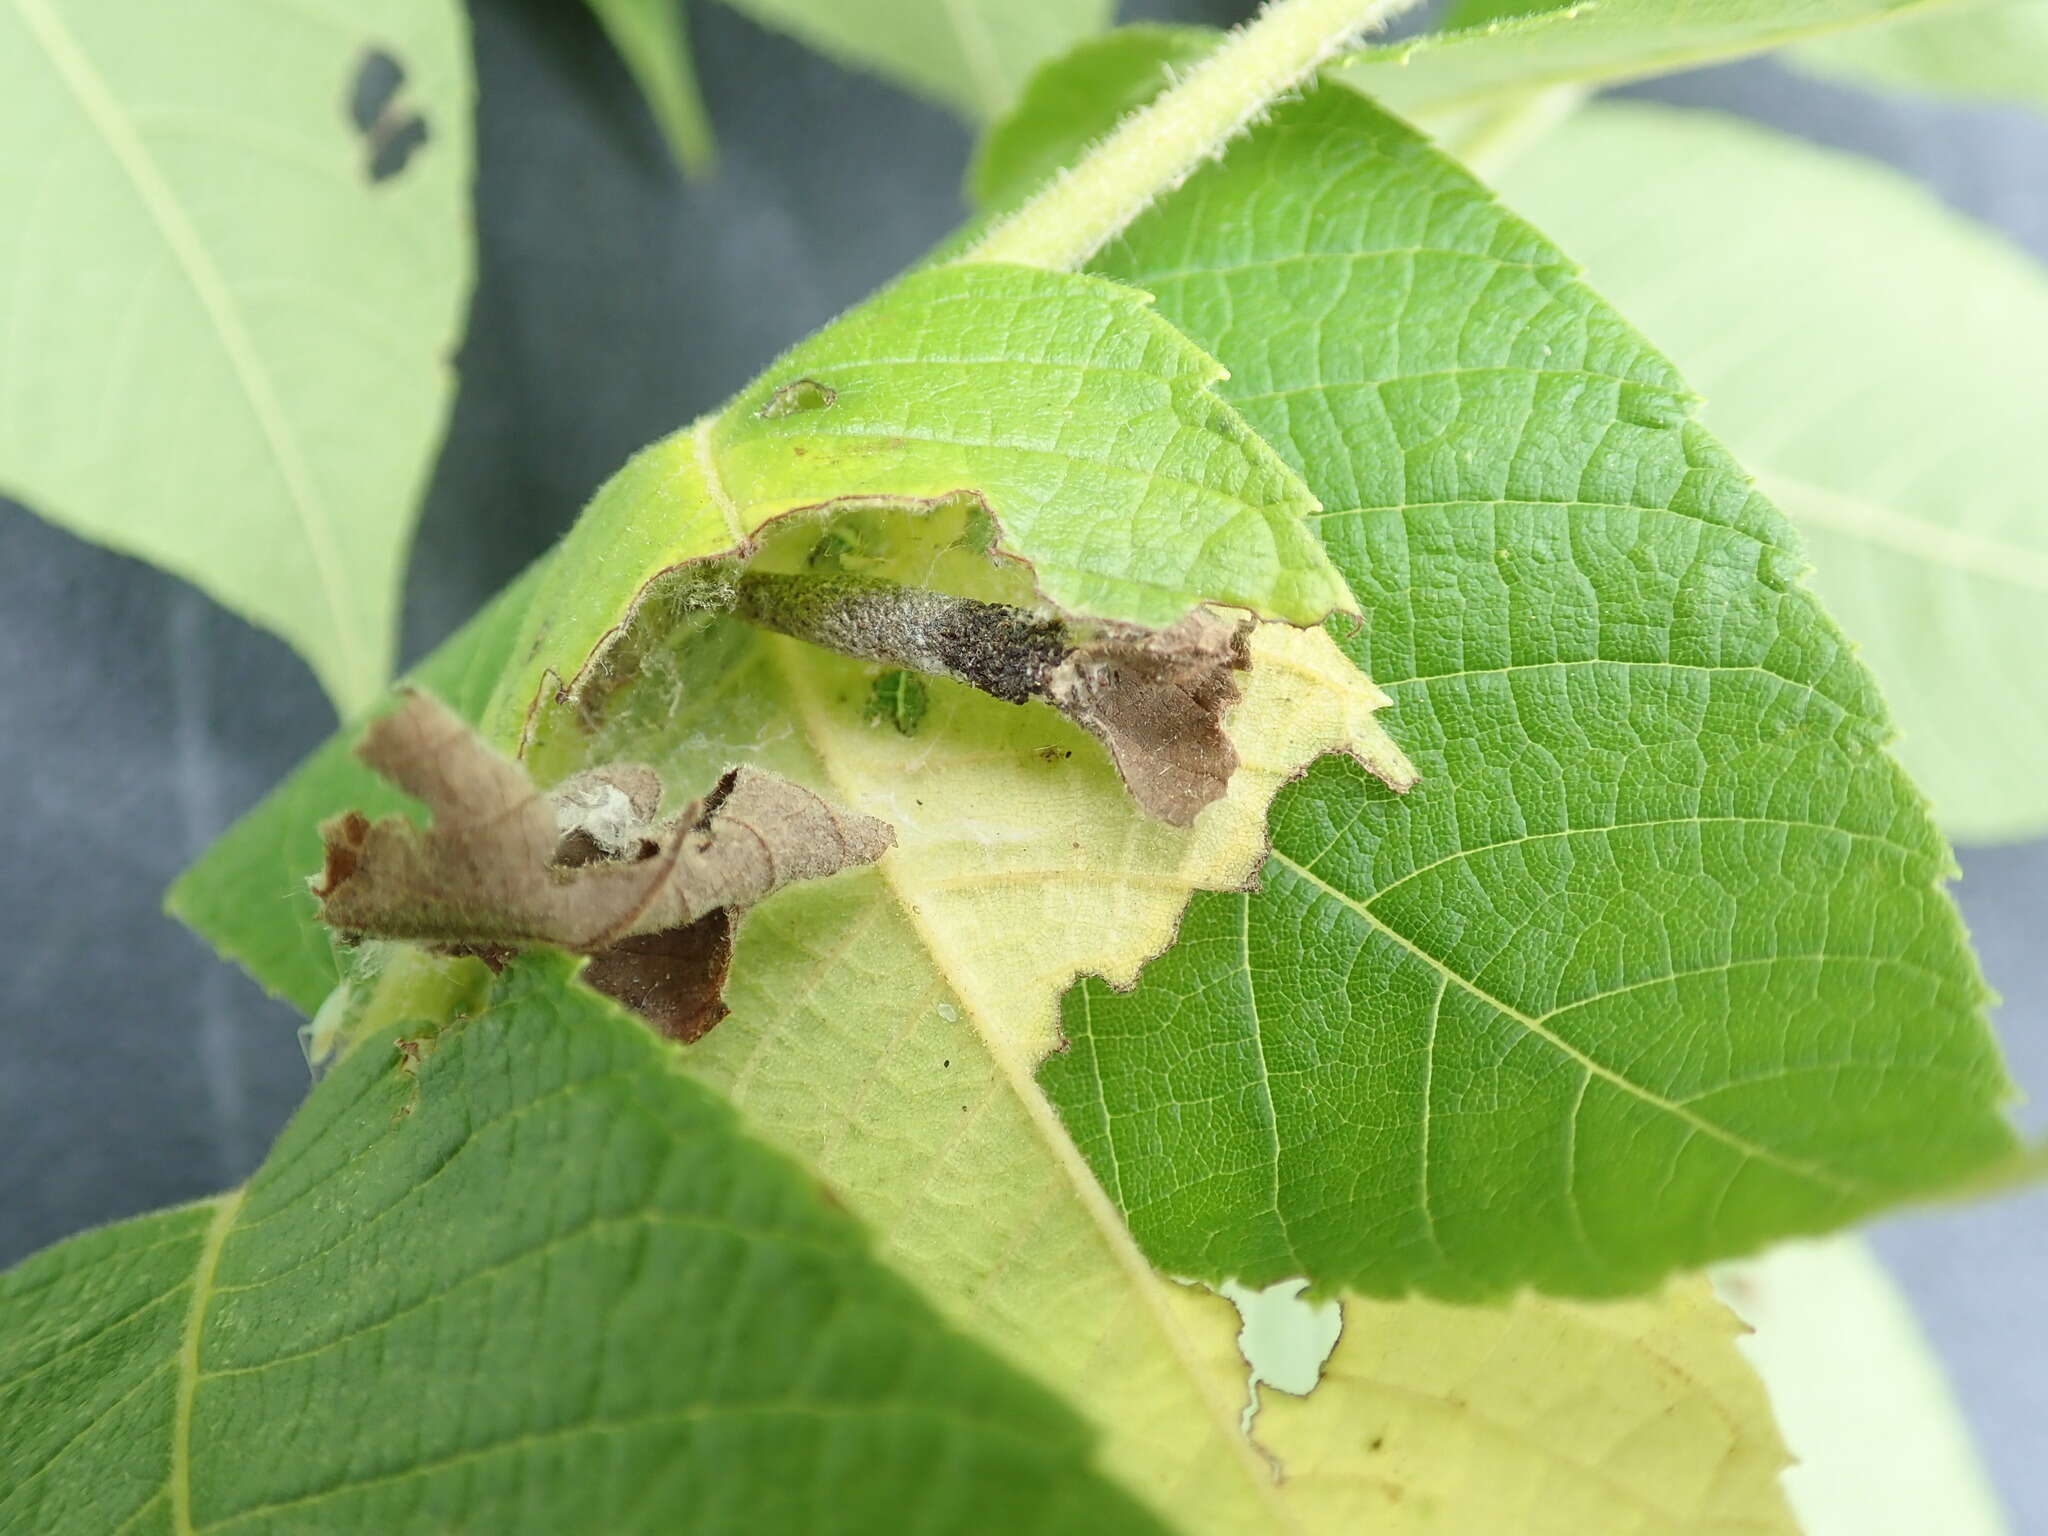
392,131
1285,1340
799,395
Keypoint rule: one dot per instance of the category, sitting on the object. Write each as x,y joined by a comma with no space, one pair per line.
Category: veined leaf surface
1879,363
521,1276
239,253
885,1024
1655,965
1060,404
930,984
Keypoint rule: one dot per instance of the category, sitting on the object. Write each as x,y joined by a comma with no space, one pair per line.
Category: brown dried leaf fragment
586,868
674,980
1156,699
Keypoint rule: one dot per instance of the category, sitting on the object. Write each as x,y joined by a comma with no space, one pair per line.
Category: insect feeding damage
1155,698
587,868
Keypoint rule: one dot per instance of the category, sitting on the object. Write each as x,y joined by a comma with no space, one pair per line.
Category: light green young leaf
1500,57
232,309
1654,965
973,55
516,1275
1880,363
653,37
1992,50
1059,405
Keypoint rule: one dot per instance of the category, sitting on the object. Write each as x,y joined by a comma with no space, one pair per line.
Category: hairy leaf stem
1154,149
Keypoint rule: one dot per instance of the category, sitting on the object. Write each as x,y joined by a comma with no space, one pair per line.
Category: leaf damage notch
586,868
1155,698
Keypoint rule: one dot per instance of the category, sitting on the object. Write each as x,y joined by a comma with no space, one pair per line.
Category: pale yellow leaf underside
1541,1417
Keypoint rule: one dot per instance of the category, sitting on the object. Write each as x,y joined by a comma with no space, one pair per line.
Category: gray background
615,301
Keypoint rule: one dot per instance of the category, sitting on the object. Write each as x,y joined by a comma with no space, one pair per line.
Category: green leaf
885,1026
653,37
530,1278
230,343
972,55
1075,101
1086,426
1655,965
1993,50
1499,55
1878,362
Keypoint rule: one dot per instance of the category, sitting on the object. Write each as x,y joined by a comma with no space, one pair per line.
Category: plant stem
1154,149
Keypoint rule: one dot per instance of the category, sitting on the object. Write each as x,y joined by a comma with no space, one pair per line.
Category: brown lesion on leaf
1155,698
587,868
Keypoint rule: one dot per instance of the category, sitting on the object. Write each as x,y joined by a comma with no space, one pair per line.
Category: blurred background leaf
653,37
238,253
1878,1445
1493,52
1991,51
971,55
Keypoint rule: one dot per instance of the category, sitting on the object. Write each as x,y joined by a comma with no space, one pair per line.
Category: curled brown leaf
586,868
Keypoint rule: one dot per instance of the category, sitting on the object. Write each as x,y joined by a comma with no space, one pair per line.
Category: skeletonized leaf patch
586,868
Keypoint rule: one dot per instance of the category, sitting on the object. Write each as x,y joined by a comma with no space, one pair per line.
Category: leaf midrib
188,1359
